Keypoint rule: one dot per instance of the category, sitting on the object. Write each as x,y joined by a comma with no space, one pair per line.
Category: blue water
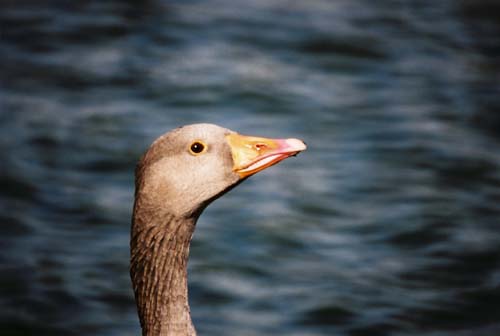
389,224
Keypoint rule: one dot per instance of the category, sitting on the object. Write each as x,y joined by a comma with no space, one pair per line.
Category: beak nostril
258,146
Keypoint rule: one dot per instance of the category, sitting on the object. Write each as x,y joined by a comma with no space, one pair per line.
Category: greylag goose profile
178,176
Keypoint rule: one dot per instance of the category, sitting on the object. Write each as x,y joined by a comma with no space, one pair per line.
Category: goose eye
197,147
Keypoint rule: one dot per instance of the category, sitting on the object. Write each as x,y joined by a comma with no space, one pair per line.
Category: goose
181,173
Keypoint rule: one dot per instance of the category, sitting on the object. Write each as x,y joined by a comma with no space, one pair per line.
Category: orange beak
253,154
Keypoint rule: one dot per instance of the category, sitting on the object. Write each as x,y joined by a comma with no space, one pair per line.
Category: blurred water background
389,224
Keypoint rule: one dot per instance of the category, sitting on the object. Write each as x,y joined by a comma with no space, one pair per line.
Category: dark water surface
389,224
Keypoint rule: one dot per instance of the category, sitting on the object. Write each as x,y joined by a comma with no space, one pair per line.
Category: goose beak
253,154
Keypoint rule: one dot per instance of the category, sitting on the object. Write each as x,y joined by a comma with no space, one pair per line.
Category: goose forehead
203,130
194,131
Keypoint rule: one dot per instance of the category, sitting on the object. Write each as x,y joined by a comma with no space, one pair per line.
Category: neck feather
158,268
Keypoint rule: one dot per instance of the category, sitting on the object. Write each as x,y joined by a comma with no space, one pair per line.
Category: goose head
187,168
